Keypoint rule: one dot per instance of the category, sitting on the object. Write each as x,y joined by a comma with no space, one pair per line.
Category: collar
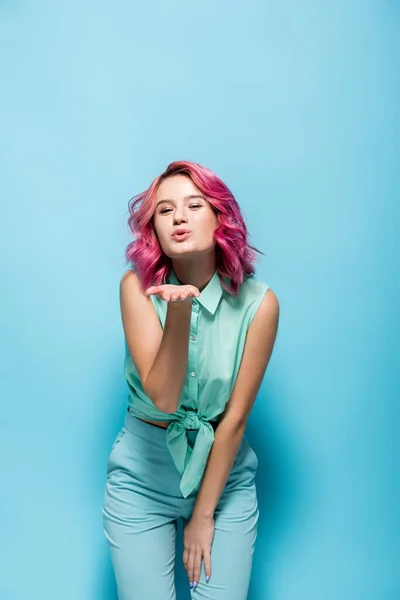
209,296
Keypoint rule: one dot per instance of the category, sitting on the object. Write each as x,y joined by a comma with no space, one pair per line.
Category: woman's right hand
175,295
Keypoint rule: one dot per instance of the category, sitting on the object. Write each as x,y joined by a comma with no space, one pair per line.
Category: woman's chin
186,249
183,248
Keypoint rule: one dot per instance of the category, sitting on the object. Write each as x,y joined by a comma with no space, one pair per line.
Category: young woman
199,333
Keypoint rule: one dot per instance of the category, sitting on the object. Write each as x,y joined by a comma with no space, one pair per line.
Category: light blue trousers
142,504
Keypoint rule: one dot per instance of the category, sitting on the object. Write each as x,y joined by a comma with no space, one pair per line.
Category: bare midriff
164,424
156,423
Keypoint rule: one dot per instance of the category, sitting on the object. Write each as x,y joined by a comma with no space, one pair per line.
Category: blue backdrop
296,106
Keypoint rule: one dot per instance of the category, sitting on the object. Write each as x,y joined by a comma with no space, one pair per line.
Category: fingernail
194,583
207,578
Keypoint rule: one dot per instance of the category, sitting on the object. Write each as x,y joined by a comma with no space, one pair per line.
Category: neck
197,272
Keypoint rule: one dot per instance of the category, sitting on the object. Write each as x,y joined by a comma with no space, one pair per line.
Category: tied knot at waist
191,420
190,462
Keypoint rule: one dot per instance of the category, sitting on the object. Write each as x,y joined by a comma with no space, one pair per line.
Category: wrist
204,515
186,305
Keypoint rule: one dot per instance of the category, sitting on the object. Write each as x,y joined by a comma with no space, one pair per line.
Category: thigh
236,521
143,563
139,523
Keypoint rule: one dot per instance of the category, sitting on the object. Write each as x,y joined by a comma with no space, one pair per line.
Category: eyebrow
190,197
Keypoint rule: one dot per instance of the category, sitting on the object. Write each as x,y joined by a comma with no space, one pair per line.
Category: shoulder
253,289
130,281
134,302
129,274
269,306
266,315
132,292
260,298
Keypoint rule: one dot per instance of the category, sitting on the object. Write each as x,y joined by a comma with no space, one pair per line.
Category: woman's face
181,205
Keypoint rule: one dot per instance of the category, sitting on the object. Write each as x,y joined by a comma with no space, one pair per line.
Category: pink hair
234,255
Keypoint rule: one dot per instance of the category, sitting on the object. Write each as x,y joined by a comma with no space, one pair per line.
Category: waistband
145,430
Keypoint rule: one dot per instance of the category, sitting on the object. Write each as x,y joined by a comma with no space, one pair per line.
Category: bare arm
166,378
159,355
199,532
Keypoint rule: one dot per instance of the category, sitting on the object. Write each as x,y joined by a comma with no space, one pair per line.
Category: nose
179,218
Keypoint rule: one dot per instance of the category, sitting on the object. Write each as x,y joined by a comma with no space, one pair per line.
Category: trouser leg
236,521
143,562
140,511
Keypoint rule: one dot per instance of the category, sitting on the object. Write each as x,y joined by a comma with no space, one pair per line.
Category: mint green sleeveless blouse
218,329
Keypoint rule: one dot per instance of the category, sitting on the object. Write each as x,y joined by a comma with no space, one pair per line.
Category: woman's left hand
197,541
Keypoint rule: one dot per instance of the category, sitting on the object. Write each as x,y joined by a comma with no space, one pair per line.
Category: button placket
193,356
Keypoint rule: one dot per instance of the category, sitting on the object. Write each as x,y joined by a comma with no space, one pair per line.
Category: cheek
207,235
164,243
160,232
211,226
208,223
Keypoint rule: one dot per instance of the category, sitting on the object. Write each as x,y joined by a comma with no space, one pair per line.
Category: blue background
295,105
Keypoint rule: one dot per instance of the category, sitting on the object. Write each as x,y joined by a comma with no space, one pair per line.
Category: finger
191,565
197,567
185,561
207,564
186,555
152,290
175,296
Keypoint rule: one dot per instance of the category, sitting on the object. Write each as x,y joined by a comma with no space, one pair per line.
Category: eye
164,211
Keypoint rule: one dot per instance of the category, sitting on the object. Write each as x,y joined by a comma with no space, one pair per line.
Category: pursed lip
180,232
